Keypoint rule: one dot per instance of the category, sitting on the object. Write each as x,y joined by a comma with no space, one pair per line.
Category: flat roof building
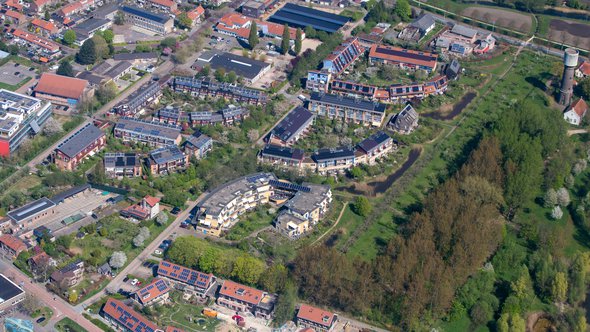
208,88
249,69
148,132
167,159
145,19
20,117
347,109
119,165
10,294
281,156
198,145
291,128
83,143
301,17
32,212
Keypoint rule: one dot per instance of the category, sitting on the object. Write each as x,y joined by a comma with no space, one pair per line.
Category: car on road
40,320
126,279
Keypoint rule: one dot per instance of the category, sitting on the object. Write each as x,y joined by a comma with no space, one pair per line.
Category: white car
134,282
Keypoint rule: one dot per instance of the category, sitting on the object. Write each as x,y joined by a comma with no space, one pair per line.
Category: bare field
570,32
501,17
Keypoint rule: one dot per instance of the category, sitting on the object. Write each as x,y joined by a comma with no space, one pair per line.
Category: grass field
184,315
68,325
250,223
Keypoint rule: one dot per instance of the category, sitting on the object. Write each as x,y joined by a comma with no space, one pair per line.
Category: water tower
570,60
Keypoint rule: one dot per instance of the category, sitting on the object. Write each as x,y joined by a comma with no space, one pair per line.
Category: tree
220,75
87,53
559,287
31,303
585,88
253,36
298,41
231,77
253,135
274,278
118,259
186,250
481,313
52,127
119,18
106,92
65,69
108,36
13,49
248,269
103,231
101,47
69,37
550,198
557,213
362,206
563,197
208,259
403,10
285,307
138,240
46,16
285,40
510,323
73,296
206,70
162,218
184,22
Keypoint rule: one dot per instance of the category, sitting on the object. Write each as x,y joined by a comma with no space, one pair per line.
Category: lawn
102,325
68,325
250,223
16,86
183,314
348,223
43,312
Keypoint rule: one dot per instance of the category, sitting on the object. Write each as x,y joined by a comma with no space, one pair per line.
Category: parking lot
13,73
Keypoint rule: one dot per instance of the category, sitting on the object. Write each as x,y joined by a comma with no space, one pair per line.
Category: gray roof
166,154
354,103
92,78
69,193
198,141
292,124
135,56
464,31
31,209
117,69
8,289
405,120
148,128
240,65
423,22
80,140
146,14
90,24
120,159
304,202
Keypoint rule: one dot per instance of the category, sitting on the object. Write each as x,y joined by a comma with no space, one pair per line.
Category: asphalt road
61,309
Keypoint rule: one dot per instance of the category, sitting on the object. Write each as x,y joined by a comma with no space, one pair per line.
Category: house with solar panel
122,165
294,126
334,160
148,132
137,101
402,58
207,87
343,56
302,17
283,156
157,292
68,276
84,143
197,145
124,318
223,206
189,281
374,147
406,121
241,298
347,109
167,160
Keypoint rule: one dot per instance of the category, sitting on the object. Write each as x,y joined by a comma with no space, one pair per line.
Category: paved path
136,263
61,309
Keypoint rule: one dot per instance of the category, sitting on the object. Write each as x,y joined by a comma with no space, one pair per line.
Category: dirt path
335,224
576,131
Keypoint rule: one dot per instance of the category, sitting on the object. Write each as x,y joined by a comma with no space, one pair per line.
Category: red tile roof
398,54
173,329
277,29
151,201
45,25
127,317
13,243
135,211
196,13
62,86
14,4
315,315
154,290
34,39
580,107
164,3
14,14
585,68
40,3
41,258
232,19
240,32
241,292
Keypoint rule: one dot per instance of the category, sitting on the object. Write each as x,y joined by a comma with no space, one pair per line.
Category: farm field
569,32
501,17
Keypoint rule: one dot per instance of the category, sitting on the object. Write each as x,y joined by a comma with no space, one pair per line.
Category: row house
73,8
167,160
135,103
15,17
148,132
294,126
43,27
374,147
334,160
282,156
187,280
197,146
347,109
124,318
82,144
203,88
169,6
11,246
122,165
241,298
39,6
156,292
343,56
317,319
402,58
49,48
318,80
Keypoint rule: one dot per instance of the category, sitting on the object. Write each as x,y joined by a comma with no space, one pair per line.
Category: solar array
211,87
149,128
184,274
289,186
133,102
128,317
256,178
166,154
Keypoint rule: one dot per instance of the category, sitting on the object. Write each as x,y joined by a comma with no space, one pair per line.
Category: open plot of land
13,75
570,32
501,17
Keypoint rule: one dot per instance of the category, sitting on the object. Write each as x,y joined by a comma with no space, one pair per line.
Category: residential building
318,80
39,6
249,69
167,159
15,17
196,15
32,214
301,17
137,58
576,112
83,143
157,292
453,69
421,26
61,90
41,264
125,319
241,298
221,208
169,6
282,156
485,44
73,8
48,48
120,165
148,208
105,270
235,25
187,280
294,126
334,160
583,70
405,121
153,22
20,117
402,58
138,100
367,40
197,145
10,293
69,276
374,147
360,90
147,132
253,8
307,206
118,70
203,88
343,56
43,27
347,109
11,246
290,225
86,29
317,319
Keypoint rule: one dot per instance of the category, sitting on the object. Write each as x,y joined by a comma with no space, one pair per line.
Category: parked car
40,320
175,210
135,282
126,279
